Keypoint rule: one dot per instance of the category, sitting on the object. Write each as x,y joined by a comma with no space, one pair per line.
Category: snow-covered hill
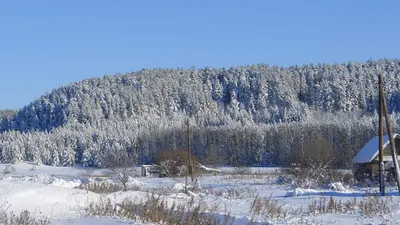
253,115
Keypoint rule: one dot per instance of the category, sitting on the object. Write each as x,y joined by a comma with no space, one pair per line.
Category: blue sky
46,44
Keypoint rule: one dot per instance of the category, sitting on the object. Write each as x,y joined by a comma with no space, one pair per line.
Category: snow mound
44,179
46,200
67,184
192,194
180,196
337,186
300,192
179,187
297,192
134,183
48,180
98,180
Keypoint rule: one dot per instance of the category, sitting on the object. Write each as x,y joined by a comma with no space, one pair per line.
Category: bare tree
121,163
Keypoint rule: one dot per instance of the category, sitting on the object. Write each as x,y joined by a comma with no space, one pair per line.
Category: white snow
300,192
134,183
51,192
180,196
53,201
179,187
68,184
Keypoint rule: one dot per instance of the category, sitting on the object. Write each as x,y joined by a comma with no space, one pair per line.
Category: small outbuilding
366,162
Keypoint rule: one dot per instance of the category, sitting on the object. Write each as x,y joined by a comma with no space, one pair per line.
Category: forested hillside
250,115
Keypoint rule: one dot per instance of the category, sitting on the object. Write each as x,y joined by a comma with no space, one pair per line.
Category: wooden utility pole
389,130
381,163
189,152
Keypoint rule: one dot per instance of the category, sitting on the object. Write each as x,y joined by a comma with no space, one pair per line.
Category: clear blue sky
46,44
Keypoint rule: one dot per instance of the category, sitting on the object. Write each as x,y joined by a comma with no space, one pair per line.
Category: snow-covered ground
51,192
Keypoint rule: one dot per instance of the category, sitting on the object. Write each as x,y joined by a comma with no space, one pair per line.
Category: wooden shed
366,162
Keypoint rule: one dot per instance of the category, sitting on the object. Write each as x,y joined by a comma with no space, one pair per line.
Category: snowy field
260,196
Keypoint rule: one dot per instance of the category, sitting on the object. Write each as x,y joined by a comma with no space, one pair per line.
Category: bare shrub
242,177
24,218
33,168
174,163
267,207
342,177
170,168
253,179
101,187
313,164
375,205
242,170
163,191
3,215
9,169
103,207
156,210
371,206
233,193
324,206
